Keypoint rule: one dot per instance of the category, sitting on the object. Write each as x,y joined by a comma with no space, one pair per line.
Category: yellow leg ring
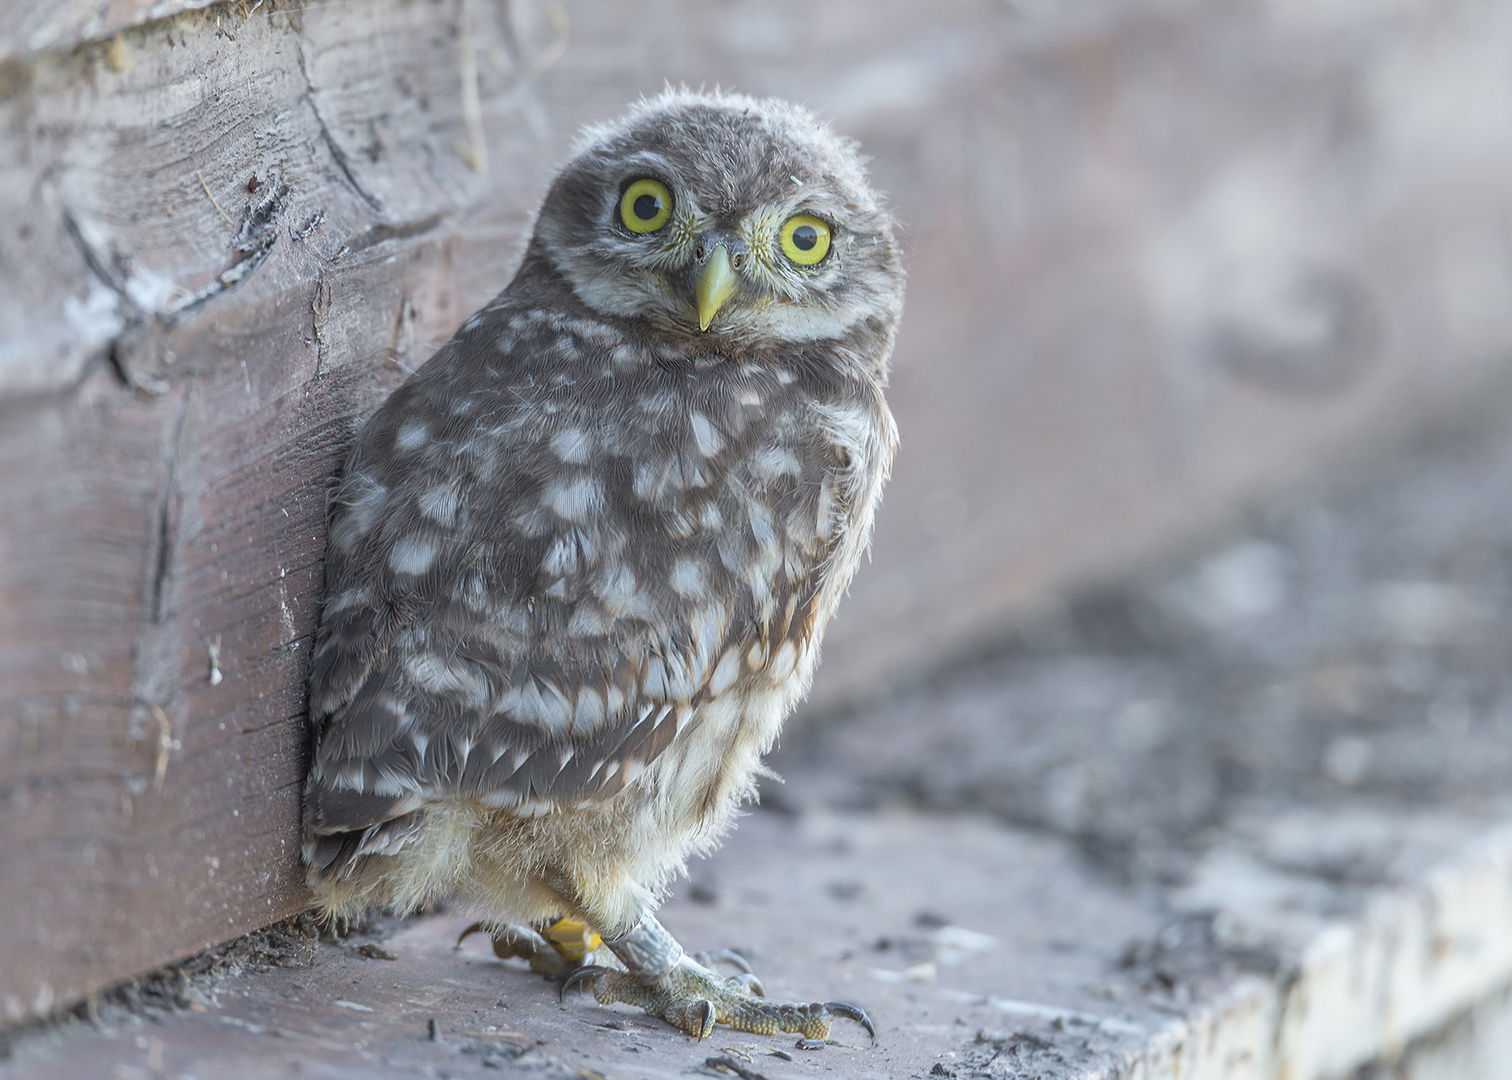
571,938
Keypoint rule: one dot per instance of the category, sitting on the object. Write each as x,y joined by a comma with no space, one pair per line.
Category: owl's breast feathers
557,542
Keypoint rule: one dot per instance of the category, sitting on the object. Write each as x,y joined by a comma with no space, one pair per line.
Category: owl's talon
692,998
516,941
698,1019
586,974
748,982
853,1012
711,957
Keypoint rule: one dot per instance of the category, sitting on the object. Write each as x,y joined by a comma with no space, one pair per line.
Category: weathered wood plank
29,28
1159,263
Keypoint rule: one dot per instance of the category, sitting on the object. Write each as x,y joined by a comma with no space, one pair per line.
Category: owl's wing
529,634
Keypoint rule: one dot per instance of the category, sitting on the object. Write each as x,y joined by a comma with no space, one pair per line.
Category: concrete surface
1247,819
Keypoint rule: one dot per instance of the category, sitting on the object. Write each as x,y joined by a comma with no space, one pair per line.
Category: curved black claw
588,973
706,1019
729,956
475,928
853,1012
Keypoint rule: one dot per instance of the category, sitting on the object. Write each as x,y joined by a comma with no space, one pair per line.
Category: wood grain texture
1160,264
27,29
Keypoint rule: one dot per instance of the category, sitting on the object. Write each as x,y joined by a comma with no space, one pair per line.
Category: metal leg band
648,952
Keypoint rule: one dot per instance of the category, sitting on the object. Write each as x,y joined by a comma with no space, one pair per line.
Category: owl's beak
713,285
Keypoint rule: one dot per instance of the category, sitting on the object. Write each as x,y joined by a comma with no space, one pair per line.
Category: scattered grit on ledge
1249,819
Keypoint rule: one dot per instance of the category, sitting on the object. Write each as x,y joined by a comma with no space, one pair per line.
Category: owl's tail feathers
337,855
351,872
341,826
347,836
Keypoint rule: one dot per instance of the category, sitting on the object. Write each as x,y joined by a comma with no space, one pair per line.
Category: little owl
581,562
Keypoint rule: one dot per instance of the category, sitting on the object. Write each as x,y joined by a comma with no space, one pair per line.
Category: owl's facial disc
743,221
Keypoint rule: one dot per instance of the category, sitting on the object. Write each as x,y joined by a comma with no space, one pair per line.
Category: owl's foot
693,998
555,949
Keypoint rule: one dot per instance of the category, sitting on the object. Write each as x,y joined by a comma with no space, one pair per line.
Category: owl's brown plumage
581,562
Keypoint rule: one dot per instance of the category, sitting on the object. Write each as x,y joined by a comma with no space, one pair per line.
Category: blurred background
1179,274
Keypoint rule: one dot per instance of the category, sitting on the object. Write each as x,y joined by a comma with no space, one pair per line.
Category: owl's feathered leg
666,983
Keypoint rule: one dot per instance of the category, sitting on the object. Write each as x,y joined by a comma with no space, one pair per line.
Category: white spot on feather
774,462
349,778
349,599
437,675
648,479
440,502
541,704
682,678
573,445
726,673
363,500
562,556
412,435
784,661
588,716
706,436
578,499
688,577
826,524
654,683
617,588
587,620
412,555
761,524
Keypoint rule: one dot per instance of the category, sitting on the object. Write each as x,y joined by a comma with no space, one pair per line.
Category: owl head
724,216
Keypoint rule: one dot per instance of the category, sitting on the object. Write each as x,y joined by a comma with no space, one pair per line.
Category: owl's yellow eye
645,206
805,239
